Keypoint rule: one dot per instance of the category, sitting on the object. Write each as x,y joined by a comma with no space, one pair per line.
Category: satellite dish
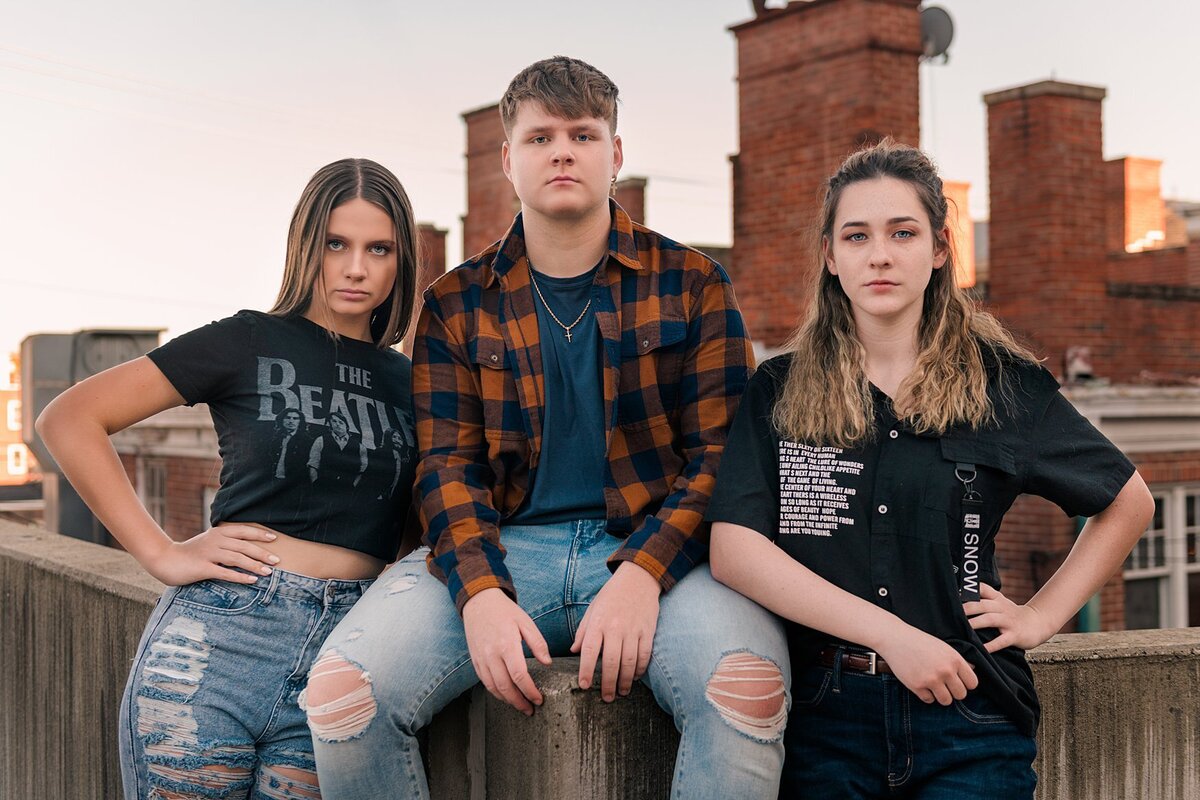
937,31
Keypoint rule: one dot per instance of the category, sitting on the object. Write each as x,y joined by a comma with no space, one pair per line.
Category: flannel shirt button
645,342
495,358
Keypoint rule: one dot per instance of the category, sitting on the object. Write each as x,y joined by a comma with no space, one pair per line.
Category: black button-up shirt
885,519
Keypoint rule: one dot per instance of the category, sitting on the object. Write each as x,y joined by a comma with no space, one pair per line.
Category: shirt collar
621,244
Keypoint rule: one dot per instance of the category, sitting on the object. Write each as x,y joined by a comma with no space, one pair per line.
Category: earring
614,180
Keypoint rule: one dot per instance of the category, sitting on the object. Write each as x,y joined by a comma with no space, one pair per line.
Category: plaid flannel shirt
676,359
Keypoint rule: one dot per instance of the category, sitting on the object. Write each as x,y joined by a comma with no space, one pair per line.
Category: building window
1162,574
152,488
17,461
14,415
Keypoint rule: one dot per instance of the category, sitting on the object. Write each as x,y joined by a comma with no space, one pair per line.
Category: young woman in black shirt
860,492
213,704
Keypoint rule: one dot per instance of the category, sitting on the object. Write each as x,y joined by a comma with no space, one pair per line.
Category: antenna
937,31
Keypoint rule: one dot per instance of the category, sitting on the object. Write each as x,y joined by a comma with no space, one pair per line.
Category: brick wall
630,194
1166,267
187,478
129,462
1047,248
491,201
432,262
816,81
1061,218
1151,338
1135,208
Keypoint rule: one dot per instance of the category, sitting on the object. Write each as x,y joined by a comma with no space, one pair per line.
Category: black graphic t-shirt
885,520
316,436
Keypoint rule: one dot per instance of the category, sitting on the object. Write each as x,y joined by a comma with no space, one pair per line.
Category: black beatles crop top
316,437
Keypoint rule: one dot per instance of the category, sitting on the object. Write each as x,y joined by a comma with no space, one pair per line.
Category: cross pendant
568,336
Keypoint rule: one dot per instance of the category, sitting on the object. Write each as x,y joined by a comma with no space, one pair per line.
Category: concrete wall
1121,715
71,615
1121,710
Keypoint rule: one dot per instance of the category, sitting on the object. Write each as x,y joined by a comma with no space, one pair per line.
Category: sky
152,152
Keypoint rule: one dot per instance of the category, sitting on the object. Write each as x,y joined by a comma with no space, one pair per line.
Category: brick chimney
817,80
491,201
1047,233
431,261
630,194
1136,214
432,241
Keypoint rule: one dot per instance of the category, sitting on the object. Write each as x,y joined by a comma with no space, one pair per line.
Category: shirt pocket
652,357
995,474
502,418
995,481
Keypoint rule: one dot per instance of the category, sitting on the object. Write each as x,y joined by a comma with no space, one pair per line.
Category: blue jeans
853,735
408,637
210,709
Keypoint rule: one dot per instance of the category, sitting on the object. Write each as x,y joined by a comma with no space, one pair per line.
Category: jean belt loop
837,669
272,585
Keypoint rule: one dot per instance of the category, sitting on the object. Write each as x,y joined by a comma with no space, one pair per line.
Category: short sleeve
747,490
1071,463
203,364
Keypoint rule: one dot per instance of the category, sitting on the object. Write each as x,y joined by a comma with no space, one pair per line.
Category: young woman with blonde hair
861,490
212,708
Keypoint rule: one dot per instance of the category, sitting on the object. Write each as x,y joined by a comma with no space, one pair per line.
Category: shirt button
645,342
894,434
883,509
883,591
495,358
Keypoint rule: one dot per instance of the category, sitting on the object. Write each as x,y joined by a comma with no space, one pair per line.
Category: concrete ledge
71,615
1121,711
1120,715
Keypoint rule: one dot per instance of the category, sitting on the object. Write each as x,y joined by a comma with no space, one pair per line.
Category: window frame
1172,575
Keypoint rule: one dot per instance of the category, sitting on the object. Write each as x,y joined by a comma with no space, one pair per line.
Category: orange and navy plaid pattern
676,358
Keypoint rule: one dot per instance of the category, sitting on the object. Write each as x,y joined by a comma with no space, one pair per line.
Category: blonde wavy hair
826,396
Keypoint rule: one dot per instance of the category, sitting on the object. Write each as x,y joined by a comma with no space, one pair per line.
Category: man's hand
1021,625
495,627
619,627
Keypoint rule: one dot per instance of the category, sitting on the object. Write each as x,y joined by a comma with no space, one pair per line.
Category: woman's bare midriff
318,559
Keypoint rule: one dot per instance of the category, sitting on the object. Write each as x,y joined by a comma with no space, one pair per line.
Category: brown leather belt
856,661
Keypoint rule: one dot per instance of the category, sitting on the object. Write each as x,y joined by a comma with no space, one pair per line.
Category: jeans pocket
978,709
810,687
221,597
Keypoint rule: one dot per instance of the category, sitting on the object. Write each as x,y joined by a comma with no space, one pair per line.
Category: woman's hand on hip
1022,626
212,554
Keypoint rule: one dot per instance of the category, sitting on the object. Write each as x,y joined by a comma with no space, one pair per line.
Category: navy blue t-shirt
568,483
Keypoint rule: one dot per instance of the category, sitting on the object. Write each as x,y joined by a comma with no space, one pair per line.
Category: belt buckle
873,659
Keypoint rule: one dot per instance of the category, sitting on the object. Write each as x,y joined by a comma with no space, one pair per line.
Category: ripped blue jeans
211,706
719,667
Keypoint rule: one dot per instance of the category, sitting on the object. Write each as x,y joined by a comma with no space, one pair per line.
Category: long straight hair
333,185
827,397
